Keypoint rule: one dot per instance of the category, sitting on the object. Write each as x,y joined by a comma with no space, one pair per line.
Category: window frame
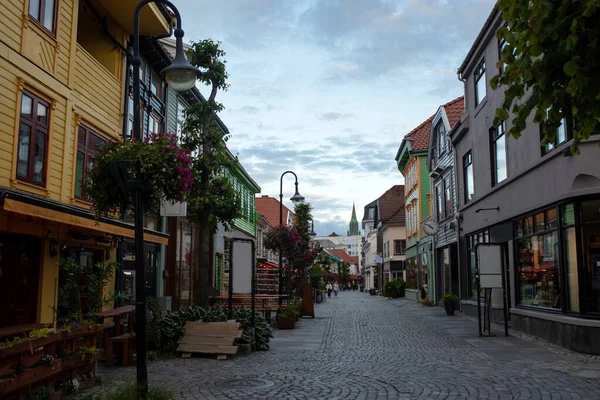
440,133
87,154
495,136
402,244
448,203
42,13
556,144
439,204
466,167
35,127
477,75
160,86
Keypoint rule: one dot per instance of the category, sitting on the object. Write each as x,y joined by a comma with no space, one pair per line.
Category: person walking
329,289
336,288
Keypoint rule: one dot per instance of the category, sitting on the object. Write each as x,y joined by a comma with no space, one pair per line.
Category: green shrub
450,298
171,325
41,393
128,391
394,289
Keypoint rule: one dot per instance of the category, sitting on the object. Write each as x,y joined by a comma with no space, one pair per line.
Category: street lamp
297,198
181,76
312,228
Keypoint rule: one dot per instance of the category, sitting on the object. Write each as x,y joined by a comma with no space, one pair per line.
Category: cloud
333,116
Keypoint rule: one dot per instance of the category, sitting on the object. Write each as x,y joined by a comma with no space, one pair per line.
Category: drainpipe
458,215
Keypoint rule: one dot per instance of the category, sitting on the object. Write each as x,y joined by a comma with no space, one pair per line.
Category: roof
334,235
391,205
326,244
341,254
454,109
353,260
269,208
419,137
370,205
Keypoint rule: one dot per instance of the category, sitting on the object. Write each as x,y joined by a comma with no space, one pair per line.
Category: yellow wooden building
62,93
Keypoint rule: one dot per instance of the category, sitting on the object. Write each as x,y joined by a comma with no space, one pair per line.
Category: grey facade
440,163
541,204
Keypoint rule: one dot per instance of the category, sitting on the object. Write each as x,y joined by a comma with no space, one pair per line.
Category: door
19,271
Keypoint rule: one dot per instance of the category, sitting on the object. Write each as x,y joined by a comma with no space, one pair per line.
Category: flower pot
286,323
450,307
120,171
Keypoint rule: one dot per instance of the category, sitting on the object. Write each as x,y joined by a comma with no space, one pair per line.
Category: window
88,144
472,240
480,83
469,186
180,118
561,137
501,46
498,154
399,247
43,11
156,86
154,124
33,139
439,201
371,213
448,195
440,133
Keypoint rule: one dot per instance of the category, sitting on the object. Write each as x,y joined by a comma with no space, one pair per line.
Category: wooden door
19,265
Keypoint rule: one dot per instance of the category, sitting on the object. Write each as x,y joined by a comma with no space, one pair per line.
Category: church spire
353,223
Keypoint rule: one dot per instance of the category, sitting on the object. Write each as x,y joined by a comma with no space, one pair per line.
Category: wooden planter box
286,323
28,353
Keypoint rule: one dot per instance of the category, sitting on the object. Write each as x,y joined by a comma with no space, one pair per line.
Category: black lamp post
312,228
297,198
181,76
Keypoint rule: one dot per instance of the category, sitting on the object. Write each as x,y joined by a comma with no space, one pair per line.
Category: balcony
97,92
152,20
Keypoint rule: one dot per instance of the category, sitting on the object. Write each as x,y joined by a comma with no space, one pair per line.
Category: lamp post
181,76
312,228
297,198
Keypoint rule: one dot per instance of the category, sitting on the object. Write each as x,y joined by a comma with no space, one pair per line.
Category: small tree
343,271
213,199
552,61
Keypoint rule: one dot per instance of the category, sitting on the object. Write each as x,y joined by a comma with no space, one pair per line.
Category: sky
329,88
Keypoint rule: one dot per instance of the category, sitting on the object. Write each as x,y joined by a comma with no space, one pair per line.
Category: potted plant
158,165
450,301
286,318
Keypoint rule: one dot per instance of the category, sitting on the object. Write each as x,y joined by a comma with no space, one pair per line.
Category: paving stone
366,347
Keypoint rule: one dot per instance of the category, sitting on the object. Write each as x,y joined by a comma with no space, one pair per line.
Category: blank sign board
242,259
489,262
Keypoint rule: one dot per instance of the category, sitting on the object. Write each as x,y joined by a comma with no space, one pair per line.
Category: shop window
538,272
33,139
570,254
44,13
411,273
88,144
590,211
568,214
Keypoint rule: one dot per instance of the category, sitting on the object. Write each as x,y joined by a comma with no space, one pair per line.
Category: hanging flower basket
158,165
126,180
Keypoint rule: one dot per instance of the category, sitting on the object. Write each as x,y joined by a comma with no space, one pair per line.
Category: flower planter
449,307
286,323
120,171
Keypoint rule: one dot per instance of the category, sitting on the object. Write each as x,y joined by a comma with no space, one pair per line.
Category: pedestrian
336,287
329,289
348,286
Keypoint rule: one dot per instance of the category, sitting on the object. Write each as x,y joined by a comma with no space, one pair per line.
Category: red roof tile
353,260
391,205
420,136
268,207
454,109
341,254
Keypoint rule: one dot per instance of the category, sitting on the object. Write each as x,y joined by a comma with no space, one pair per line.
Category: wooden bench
125,340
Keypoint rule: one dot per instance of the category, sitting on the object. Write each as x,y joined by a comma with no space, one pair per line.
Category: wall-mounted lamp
53,249
487,209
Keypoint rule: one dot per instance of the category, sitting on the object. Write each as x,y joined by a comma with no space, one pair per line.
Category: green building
411,159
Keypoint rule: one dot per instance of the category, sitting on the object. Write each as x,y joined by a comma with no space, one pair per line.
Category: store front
447,270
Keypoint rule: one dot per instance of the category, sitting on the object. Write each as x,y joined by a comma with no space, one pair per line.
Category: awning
64,214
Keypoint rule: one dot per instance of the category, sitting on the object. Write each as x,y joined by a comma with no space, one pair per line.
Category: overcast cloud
329,88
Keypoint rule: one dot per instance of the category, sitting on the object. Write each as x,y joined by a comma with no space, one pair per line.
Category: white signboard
242,267
489,262
173,209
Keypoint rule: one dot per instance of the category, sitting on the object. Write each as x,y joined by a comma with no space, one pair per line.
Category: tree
343,271
213,199
552,55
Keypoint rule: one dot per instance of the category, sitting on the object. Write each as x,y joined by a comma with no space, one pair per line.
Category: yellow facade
79,71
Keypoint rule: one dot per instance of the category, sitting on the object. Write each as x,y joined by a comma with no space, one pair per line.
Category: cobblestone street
367,347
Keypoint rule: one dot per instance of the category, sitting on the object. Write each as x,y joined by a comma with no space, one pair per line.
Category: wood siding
172,100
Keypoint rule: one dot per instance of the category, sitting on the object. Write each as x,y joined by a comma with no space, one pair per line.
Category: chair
127,340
